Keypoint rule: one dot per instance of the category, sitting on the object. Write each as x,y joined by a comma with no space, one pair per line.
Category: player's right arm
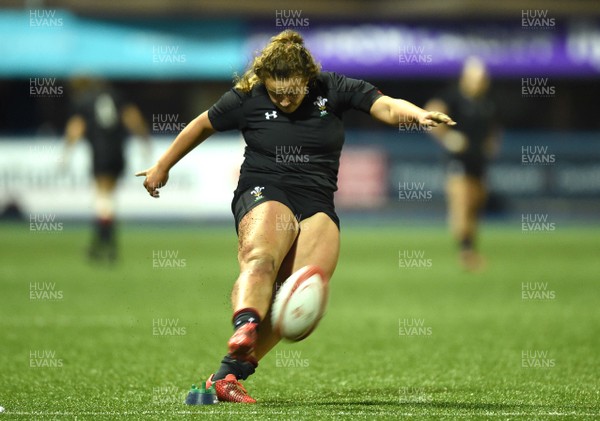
74,129
196,132
450,138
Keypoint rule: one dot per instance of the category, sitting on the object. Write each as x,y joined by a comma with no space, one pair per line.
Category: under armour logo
271,115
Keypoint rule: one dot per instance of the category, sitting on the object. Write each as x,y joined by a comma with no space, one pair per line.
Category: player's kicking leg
318,244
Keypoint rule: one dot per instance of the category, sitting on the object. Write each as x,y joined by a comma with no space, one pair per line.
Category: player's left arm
394,111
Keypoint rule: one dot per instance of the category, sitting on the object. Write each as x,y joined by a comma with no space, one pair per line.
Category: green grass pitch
518,341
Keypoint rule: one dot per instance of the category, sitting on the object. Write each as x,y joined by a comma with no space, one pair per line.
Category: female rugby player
282,100
468,152
104,118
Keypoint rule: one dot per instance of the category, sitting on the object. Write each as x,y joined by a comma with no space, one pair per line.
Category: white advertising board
34,175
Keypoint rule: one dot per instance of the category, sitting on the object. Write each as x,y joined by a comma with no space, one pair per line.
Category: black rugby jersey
476,119
101,109
300,148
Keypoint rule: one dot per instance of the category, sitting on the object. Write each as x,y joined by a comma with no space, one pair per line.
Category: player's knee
258,261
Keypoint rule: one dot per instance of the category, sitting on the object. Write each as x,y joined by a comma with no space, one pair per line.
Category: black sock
247,315
105,232
241,369
106,228
466,243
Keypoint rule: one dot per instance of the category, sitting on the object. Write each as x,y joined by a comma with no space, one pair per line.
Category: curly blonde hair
285,56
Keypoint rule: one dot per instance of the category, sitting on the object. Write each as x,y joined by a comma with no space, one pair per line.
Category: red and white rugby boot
241,343
230,390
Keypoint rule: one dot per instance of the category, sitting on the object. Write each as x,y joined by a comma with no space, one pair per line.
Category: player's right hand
455,141
156,178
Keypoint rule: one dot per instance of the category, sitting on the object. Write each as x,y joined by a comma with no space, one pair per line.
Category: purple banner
531,46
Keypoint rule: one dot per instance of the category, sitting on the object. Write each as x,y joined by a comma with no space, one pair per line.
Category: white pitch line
267,412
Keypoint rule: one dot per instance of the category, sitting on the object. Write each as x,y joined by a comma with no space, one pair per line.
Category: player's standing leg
476,197
104,242
465,197
261,250
456,195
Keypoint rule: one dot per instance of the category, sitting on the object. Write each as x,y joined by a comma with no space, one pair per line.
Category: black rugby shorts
304,202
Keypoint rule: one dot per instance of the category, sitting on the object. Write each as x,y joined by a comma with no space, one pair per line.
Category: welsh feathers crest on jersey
322,104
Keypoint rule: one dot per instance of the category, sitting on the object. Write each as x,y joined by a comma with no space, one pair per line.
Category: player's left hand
433,118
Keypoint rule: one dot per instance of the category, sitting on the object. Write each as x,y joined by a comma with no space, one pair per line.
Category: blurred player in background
282,103
99,114
469,147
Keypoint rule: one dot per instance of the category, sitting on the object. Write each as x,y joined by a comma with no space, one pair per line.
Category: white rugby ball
300,303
